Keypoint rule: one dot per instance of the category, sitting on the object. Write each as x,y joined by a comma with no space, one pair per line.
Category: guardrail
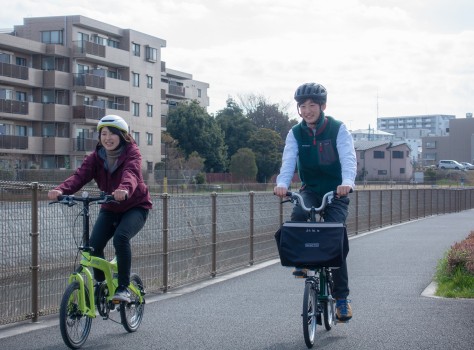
187,238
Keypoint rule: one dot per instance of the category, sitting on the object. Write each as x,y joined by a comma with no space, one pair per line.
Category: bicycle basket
312,244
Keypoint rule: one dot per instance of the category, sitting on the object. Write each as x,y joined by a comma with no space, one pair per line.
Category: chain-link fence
187,238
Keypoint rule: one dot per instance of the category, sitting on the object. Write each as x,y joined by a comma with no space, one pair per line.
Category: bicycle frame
88,261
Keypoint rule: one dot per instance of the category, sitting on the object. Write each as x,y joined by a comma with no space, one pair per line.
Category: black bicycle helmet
316,92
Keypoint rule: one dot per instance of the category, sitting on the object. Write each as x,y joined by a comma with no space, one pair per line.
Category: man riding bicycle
323,150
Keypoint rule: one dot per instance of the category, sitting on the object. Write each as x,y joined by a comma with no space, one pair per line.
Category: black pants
337,211
122,227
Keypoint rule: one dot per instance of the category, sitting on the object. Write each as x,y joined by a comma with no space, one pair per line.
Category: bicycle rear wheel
75,326
310,308
131,313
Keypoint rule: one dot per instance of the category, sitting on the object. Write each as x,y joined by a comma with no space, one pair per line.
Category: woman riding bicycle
115,166
323,150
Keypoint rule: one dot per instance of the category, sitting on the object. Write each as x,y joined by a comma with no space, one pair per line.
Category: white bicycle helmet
113,120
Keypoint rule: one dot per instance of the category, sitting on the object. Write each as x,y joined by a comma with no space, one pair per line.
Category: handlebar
327,199
71,200
295,196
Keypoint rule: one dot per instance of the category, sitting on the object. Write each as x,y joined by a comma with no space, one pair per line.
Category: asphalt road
260,307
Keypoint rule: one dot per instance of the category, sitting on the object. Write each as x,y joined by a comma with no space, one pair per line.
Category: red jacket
126,176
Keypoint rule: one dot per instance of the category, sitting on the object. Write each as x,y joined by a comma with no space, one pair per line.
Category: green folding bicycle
81,297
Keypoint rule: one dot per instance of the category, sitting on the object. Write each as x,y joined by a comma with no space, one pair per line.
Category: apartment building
412,129
60,75
458,145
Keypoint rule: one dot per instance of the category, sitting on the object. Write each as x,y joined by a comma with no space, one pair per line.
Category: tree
236,127
197,131
267,145
265,114
243,165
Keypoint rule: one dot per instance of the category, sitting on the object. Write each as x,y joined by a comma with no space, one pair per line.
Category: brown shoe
343,310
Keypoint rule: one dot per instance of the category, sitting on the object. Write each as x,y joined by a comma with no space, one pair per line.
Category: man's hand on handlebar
280,191
343,190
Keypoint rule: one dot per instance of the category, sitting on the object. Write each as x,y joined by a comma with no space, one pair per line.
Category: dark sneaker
343,310
300,273
121,294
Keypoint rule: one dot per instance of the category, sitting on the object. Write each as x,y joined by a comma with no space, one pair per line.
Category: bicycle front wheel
329,307
309,314
74,324
131,313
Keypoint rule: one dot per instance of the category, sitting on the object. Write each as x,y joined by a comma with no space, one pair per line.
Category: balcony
87,112
89,80
13,107
56,112
176,90
101,54
13,71
54,79
13,142
81,144
56,145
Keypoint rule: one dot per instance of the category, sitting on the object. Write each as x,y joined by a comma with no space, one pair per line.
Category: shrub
461,255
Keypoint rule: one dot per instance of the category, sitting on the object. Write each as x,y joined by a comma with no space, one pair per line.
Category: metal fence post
34,252
214,234
165,198
252,196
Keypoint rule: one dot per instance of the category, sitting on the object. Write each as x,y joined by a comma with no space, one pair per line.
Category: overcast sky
376,58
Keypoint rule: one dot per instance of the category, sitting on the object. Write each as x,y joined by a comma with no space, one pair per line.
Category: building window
47,63
52,37
382,172
397,154
199,93
149,139
113,43
379,154
151,54
149,81
136,137
4,57
149,167
135,109
136,79
136,49
20,61
430,144
402,170
149,110
21,96
100,40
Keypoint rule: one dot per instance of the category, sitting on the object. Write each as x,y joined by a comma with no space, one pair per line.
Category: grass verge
455,272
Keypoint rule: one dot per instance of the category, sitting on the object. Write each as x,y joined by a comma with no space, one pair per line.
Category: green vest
318,162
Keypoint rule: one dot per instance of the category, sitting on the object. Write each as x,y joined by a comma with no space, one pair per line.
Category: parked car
468,166
450,164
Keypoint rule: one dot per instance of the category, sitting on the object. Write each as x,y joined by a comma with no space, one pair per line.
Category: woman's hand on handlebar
343,190
120,195
53,194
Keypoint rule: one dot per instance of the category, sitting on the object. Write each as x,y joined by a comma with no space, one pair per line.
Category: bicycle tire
131,313
310,308
329,306
75,326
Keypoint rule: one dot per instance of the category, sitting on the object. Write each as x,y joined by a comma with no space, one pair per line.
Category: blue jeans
122,227
337,211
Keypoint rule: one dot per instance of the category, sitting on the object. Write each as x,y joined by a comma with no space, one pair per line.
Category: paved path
260,307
